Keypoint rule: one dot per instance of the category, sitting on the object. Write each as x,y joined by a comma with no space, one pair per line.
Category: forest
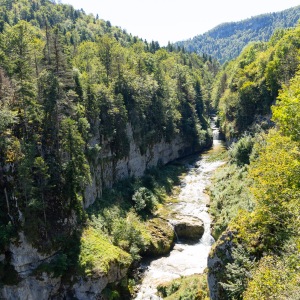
226,41
72,87
255,197
78,96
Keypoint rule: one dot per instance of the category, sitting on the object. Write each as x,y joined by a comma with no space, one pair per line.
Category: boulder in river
188,228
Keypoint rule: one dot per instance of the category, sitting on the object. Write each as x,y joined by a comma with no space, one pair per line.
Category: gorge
113,182
187,258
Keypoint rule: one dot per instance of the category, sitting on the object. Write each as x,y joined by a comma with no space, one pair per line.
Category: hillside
84,106
255,197
227,40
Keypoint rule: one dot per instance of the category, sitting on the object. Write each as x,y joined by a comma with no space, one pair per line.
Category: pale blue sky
175,20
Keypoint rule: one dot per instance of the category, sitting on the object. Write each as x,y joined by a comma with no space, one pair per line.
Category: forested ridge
255,197
70,86
226,41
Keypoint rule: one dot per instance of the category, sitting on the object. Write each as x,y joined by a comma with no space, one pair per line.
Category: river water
186,259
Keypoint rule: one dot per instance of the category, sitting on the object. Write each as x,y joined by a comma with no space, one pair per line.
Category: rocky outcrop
219,256
24,257
90,288
188,228
32,288
162,237
46,287
31,284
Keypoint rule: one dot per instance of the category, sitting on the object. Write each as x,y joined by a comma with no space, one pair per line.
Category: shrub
129,234
238,273
185,288
144,200
240,151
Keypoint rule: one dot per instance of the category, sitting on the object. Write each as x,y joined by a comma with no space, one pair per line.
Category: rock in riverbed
188,228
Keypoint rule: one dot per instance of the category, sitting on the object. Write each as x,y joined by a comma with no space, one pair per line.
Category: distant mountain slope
227,40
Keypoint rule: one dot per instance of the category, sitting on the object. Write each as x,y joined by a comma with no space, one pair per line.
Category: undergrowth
229,194
185,288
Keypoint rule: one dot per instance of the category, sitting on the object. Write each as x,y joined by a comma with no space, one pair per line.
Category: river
186,259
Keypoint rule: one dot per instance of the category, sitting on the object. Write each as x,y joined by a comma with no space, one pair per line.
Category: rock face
91,288
219,256
188,228
46,287
109,170
36,286
32,288
24,257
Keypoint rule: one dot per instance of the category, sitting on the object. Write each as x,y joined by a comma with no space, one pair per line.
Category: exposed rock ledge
219,256
25,259
188,228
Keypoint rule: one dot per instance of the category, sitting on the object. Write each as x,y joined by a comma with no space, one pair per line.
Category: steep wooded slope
83,104
226,41
257,193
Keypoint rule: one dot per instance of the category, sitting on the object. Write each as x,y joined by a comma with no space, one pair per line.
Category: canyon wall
108,170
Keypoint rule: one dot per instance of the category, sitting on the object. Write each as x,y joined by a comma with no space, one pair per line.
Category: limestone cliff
108,170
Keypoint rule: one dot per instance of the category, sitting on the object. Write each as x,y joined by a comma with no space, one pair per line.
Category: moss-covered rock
162,237
98,254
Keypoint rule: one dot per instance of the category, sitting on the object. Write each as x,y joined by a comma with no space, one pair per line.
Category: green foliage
75,165
248,86
126,230
7,231
272,227
286,112
56,268
229,194
111,294
97,253
276,189
238,273
144,199
275,278
130,235
263,178
186,288
240,151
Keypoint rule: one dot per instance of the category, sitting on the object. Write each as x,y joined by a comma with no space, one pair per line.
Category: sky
176,20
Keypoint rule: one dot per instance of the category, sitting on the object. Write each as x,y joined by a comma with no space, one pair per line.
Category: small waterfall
217,135
173,226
